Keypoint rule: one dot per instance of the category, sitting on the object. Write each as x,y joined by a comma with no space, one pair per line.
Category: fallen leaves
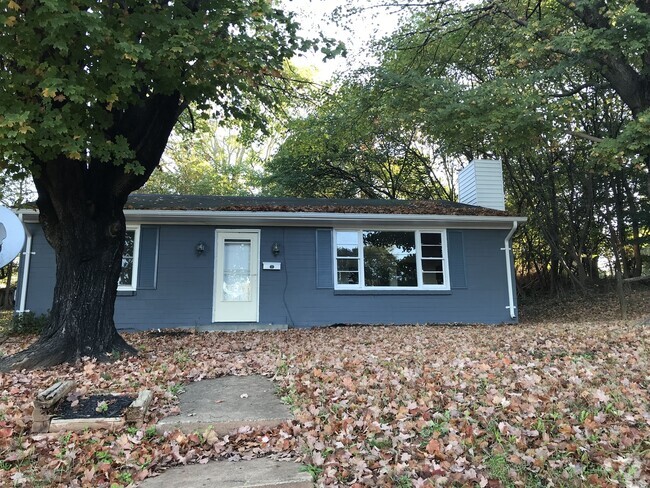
556,404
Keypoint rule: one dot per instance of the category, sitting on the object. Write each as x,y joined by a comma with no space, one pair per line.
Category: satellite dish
12,236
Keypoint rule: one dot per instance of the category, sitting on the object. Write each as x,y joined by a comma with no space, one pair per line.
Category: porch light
200,248
275,248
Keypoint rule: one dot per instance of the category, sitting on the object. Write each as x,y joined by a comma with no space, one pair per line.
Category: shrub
28,323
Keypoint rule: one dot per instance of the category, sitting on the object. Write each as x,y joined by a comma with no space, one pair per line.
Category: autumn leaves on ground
552,404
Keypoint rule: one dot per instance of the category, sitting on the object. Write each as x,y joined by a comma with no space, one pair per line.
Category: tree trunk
80,203
88,244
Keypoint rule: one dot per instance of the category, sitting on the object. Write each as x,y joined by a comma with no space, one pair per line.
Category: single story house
219,261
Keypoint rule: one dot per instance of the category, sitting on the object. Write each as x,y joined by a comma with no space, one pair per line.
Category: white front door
237,273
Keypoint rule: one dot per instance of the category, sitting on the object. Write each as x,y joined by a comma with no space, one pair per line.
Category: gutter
507,248
301,219
24,264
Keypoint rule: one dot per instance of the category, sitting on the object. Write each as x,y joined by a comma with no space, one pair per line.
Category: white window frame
418,259
136,254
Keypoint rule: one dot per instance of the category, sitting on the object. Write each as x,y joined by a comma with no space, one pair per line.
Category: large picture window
391,259
129,274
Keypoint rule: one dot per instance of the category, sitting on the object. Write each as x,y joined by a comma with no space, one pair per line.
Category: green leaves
211,160
77,74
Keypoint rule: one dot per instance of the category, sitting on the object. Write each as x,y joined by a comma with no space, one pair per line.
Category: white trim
25,260
445,260
418,257
215,266
511,292
136,257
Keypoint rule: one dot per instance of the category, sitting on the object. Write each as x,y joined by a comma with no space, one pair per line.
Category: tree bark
81,206
88,240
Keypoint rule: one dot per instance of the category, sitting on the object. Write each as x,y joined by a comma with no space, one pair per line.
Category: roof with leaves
317,205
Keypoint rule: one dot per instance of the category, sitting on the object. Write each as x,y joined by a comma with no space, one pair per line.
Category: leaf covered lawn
547,405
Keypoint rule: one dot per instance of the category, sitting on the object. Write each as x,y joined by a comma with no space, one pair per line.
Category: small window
347,258
391,259
432,259
129,274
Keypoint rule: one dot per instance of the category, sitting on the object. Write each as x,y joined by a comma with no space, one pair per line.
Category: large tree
578,46
519,82
89,93
207,159
358,143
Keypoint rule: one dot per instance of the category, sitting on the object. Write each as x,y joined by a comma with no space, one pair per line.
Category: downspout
24,264
511,292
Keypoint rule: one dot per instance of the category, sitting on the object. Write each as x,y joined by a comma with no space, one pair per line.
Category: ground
544,403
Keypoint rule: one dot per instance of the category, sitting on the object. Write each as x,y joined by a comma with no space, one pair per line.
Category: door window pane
236,270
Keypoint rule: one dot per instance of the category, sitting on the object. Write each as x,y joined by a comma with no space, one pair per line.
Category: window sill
392,292
125,293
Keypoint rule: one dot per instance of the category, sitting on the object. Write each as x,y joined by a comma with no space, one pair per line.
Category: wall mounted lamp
275,248
200,248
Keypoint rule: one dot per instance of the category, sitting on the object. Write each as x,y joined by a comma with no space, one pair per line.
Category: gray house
221,261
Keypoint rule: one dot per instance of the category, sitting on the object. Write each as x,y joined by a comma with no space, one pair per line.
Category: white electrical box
274,265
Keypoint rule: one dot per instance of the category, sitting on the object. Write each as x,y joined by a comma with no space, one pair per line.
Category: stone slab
227,403
256,473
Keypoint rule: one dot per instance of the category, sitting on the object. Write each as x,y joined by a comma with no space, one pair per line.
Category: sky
357,31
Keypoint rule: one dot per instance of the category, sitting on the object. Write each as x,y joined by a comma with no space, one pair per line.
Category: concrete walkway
257,473
226,404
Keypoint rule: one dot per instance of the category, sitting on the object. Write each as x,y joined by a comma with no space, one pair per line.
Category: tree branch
582,135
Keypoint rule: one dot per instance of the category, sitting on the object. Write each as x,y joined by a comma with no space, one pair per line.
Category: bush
28,323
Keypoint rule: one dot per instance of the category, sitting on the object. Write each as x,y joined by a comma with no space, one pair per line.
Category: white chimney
481,183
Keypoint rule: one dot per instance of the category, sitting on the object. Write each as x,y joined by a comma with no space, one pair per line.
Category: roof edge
211,217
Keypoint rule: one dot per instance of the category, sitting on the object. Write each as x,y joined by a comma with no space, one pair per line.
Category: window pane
236,270
433,279
389,258
347,264
347,244
431,265
129,241
126,274
347,239
431,238
431,251
347,278
347,251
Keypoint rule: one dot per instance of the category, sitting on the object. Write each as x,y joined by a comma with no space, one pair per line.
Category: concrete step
257,473
240,327
227,403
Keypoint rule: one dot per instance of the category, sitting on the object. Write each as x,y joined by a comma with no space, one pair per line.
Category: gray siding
42,274
483,300
184,286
